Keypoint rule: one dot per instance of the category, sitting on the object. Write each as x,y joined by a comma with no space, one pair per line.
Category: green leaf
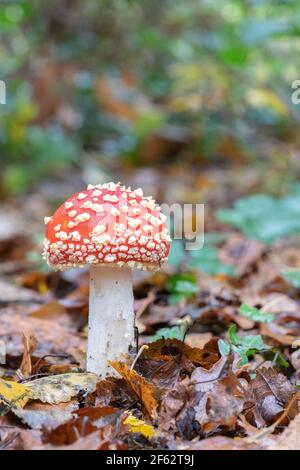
281,360
183,285
148,122
292,277
252,342
265,218
174,299
232,333
245,346
224,347
242,353
175,332
255,314
207,260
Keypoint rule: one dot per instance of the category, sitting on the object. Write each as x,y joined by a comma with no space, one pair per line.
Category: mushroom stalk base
111,317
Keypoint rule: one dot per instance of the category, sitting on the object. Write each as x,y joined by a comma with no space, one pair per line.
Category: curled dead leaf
29,343
143,389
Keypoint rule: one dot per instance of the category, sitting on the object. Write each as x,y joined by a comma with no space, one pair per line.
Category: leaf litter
219,369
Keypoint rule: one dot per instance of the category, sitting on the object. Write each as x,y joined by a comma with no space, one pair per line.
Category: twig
142,348
9,441
61,356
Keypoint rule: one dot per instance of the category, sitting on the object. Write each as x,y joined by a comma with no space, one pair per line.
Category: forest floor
222,326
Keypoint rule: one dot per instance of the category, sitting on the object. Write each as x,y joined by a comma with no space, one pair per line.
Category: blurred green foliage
255,314
265,218
292,277
204,260
220,70
181,286
244,346
175,332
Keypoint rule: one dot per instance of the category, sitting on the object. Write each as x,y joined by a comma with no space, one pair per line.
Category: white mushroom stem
111,317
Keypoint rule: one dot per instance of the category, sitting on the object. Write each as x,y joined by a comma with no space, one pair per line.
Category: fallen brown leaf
177,410
290,438
143,389
241,253
30,343
82,423
92,441
271,392
221,405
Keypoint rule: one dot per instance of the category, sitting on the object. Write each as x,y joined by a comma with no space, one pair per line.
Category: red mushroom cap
110,225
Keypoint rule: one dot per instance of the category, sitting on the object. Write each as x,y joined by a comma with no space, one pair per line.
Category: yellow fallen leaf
265,97
61,388
137,425
13,394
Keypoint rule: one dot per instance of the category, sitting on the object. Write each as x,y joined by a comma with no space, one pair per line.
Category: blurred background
189,99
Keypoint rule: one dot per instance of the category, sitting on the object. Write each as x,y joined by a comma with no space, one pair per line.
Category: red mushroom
112,229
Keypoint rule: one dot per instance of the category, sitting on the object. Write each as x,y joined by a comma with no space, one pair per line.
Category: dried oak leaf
271,392
143,389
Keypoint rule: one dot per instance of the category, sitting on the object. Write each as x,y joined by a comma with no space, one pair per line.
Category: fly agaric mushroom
111,229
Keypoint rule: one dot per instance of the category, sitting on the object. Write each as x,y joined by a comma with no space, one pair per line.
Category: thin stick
272,428
142,348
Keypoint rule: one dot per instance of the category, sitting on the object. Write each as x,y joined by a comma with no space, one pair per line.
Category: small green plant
174,332
265,218
244,346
